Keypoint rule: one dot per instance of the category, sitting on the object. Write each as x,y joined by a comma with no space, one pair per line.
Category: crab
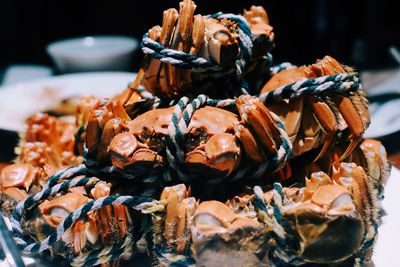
58,133
263,42
191,34
48,143
174,231
215,40
261,29
333,213
142,146
101,227
216,141
35,163
16,181
46,146
105,121
83,111
211,231
313,120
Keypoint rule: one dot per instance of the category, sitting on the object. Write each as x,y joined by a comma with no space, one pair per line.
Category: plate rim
58,80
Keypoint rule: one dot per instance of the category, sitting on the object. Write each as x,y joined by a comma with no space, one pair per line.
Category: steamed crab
337,214
104,226
217,141
48,142
209,231
313,120
16,181
46,147
212,39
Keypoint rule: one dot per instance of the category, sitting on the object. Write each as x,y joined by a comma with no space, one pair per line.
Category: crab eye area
59,212
196,137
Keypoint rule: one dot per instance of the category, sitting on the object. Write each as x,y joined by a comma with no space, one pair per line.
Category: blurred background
357,32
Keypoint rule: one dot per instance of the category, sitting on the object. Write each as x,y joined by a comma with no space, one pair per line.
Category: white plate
387,247
385,119
20,101
385,116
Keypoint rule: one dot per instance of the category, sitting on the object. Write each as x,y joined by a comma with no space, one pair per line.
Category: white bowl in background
93,53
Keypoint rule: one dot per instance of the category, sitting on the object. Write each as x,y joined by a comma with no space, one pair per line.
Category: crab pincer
262,129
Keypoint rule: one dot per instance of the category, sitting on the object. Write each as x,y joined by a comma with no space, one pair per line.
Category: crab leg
198,34
181,42
255,114
354,121
169,21
170,17
327,120
148,64
175,196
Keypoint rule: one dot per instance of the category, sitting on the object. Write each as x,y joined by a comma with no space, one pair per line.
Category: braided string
277,162
341,83
338,83
175,57
271,214
180,120
28,203
280,67
105,254
196,63
143,204
94,257
174,131
66,174
166,257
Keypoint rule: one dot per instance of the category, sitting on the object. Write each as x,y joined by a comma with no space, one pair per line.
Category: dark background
355,32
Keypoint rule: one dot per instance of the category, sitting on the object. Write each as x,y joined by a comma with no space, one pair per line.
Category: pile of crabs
211,157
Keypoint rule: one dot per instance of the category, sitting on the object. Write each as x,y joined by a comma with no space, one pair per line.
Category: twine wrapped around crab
211,157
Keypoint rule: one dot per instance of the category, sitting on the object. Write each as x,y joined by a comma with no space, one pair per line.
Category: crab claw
54,211
180,209
101,114
263,34
170,17
223,238
327,120
17,175
111,129
317,180
377,164
354,111
198,34
15,193
222,44
260,122
185,22
220,154
126,151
